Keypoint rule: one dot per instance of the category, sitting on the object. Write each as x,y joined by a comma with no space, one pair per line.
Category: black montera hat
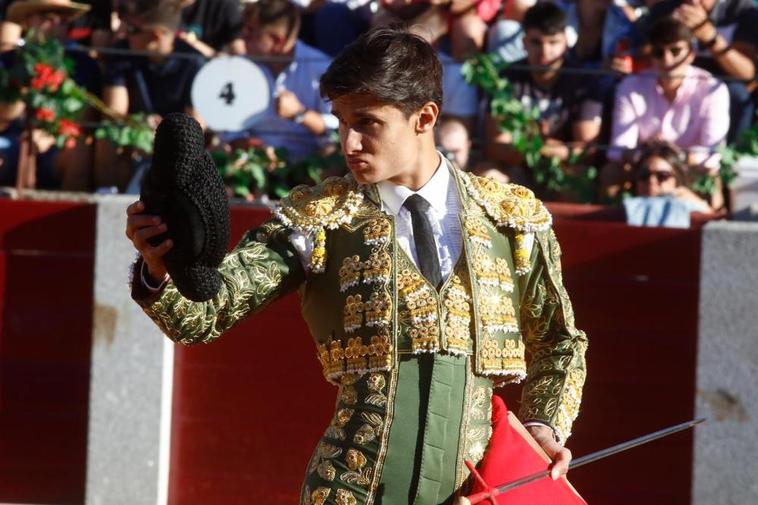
184,188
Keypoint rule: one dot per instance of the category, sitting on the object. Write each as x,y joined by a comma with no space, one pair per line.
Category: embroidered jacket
507,308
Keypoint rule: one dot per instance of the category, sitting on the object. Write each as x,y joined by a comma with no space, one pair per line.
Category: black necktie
426,250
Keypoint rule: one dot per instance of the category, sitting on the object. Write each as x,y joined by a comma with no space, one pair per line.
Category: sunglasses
675,51
645,173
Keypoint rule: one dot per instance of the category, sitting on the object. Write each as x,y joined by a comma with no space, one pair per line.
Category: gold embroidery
345,497
378,309
490,355
497,313
376,382
506,361
355,355
353,313
328,451
418,297
479,430
513,355
477,232
355,459
348,395
378,267
521,256
355,358
361,478
380,353
326,470
335,433
319,495
373,419
364,434
350,272
570,401
377,232
424,337
342,417
505,280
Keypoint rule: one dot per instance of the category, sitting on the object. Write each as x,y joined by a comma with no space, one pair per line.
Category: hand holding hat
184,188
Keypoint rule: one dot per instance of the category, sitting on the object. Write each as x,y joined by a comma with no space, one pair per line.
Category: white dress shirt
444,206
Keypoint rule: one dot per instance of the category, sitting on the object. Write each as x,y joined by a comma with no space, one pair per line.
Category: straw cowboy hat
21,9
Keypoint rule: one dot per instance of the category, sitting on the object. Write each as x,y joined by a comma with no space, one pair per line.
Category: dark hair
546,17
667,152
268,12
389,64
165,13
668,30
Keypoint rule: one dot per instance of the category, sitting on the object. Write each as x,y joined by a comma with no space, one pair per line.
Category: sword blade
604,453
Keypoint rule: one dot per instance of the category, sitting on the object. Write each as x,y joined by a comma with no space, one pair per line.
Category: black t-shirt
156,88
215,22
559,106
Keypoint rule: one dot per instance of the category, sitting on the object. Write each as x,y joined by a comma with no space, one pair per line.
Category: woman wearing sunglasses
661,197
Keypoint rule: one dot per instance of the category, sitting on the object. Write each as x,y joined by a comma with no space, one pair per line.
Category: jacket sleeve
262,268
555,348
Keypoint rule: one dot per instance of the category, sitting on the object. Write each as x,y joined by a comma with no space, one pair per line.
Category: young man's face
378,140
543,49
269,40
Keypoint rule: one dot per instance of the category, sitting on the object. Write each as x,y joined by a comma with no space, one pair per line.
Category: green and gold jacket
504,309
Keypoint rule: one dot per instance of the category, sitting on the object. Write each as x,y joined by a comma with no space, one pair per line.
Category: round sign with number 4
230,93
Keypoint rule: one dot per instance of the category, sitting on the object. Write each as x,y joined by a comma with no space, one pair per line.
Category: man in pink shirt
673,101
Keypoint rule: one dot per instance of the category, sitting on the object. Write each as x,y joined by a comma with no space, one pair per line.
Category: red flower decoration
44,114
47,76
69,128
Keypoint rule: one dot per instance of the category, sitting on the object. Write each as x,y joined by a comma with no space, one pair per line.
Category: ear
427,118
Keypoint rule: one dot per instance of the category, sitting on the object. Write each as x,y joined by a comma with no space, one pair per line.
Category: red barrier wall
249,408
46,271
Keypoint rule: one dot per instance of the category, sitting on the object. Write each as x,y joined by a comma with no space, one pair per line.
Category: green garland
40,77
257,171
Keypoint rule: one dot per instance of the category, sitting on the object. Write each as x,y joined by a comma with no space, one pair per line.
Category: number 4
227,93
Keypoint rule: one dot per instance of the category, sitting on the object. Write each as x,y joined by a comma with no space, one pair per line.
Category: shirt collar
434,191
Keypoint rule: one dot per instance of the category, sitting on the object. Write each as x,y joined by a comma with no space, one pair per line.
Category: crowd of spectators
613,80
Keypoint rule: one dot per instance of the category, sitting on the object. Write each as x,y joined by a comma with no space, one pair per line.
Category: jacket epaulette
508,205
311,210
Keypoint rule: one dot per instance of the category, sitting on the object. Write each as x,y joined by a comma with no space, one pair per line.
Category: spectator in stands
454,142
466,21
321,16
506,37
674,101
298,119
606,40
727,37
570,117
661,198
154,84
69,169
211,26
